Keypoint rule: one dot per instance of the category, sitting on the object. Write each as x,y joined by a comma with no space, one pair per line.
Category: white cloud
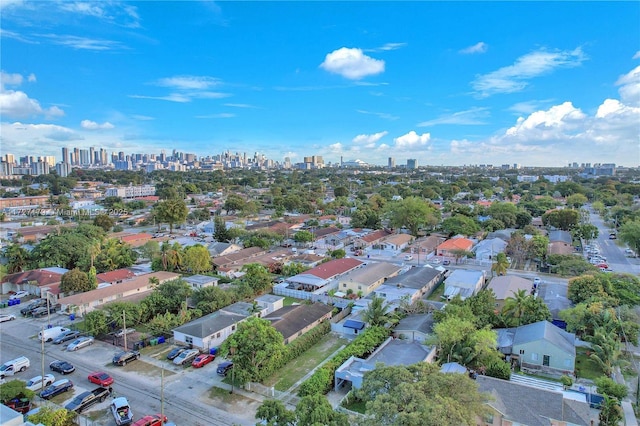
142,117
387,47
113,12
336,147
514,78
369,139
473,116
189,82
630,87
19,135
31,78
351,63
545,124
92,125
480,47
18,104
412,139
240,105
83,43
173,97
7,79
527,107
637,55
384,115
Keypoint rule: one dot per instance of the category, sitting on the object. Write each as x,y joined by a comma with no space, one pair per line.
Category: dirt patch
233,403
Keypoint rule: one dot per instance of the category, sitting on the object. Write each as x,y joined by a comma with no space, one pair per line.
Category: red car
101,378
202,360
153,420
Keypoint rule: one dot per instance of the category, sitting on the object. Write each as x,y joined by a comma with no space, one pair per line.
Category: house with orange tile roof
321,275
449,247
115,277
372,238
136,240
35,281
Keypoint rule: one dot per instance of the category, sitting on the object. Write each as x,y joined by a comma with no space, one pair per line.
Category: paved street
186,391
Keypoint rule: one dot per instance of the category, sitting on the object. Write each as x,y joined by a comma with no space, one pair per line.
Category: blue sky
447,83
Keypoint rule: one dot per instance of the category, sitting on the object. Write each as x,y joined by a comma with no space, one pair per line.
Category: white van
9,368
48,334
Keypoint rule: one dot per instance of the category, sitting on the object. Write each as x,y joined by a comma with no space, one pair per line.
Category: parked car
408,257
39,383
122,358
152,420
62,367
7,317
87,399
121,411
175,352
43,311
80,343
186,357
202,360
537,281
48,334
122,332
26,311
19,295
446,262
65,336
101,378
56,388
14,366
224,367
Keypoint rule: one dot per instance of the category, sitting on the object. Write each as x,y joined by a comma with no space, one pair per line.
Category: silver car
80,343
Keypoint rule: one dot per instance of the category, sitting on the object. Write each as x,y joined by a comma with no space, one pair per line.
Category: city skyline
441,83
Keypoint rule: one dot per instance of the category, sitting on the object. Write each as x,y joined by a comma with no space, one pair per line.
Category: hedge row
322,379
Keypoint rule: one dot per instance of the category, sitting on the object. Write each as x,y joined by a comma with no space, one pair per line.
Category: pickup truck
87,399
123,358
121,411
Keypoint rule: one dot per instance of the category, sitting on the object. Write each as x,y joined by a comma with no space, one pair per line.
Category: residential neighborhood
296,305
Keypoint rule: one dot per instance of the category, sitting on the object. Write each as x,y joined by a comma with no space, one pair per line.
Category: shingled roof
290,320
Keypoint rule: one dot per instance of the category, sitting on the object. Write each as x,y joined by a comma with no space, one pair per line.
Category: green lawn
356,405
288,301
287,376
586,368
436,294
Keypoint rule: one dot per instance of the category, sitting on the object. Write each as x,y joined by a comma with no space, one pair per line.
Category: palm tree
17,258
500,265
606,349
377,313
515,308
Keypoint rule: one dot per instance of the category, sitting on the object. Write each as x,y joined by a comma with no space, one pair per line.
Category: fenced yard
295,370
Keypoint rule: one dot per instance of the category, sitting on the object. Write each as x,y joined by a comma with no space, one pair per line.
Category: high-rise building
412,163
65,154
76,156
40,168
392,162
10,158
84,157
63,169
92,155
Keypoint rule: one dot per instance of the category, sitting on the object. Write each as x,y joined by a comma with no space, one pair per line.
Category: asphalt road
185,391
613,250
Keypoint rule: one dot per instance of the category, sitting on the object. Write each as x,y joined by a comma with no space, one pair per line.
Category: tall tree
412,213
629,233
427,397
104,221
172,211
500,266
220,231
197,259
257,349
274,413
316,410
378,312
17,258
75,281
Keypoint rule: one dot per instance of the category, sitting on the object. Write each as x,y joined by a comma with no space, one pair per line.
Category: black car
123,358
224,368
43,311
175,352
62,367
65,336
38,303
56,388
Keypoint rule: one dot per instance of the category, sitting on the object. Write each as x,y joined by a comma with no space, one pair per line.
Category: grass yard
288,301
587,368
436,294
295,370
354,404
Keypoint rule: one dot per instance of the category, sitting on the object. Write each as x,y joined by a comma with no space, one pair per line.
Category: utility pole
162,393
42,356
124,328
